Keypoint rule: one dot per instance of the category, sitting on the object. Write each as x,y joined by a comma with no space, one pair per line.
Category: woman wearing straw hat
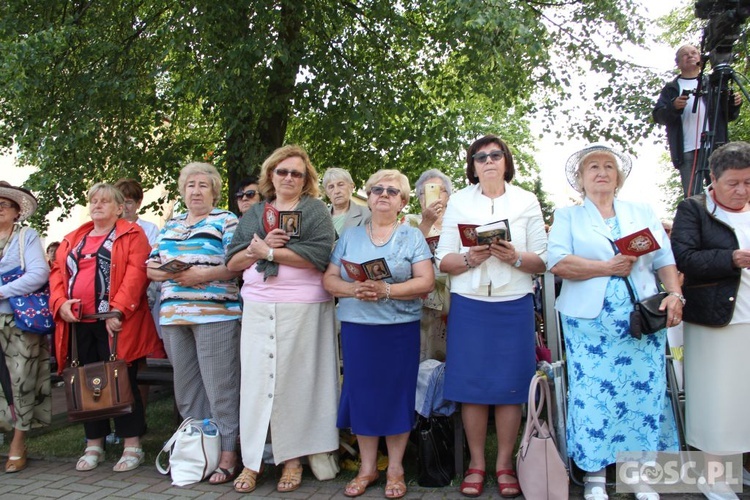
26,354
617,396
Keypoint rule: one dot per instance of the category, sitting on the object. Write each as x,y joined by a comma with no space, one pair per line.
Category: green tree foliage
106,89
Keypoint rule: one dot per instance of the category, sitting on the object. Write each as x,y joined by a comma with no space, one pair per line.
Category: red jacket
128,283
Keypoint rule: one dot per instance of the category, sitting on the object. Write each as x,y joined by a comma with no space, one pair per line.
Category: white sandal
647,495
130,462
592,490
89,461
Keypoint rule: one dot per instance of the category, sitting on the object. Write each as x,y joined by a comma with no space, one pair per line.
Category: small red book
174,266
637,244
376,269
432,242
288,220
474,234
468,234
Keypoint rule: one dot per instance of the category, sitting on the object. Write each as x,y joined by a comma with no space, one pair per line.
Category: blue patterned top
204,243
407,246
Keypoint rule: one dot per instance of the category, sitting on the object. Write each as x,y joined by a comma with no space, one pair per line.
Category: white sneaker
595,488
646,493
719,491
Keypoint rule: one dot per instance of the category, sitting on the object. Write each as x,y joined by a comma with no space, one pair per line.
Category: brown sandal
359,485
396,485
16,463
291,476
249,477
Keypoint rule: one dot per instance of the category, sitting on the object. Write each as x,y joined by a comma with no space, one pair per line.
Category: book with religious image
288,220
637,244
174,266
468,234
375,269
471,237
493,232
432,242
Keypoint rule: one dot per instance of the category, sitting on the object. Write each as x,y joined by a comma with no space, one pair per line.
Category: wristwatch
269,257
518,263
679,296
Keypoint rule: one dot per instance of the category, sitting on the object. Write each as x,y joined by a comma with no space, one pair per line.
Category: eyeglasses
249,194
282,172
130,203
496,155
378,190
6,205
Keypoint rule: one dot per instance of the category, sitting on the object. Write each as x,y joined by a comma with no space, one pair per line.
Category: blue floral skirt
617,399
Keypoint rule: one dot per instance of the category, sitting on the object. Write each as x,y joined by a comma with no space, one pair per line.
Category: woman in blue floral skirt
617,395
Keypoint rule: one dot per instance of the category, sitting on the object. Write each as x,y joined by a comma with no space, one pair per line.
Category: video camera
725,19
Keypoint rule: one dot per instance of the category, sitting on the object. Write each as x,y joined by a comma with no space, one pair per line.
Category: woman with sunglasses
289,379
379,328
247,195
490,353
200,309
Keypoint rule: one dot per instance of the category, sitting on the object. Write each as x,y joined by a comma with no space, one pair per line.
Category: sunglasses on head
496,155
378,190
282,172
249,194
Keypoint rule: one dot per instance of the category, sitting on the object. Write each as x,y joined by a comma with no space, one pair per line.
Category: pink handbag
541,471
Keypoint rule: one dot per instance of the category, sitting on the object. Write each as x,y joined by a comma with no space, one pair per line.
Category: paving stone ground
47,478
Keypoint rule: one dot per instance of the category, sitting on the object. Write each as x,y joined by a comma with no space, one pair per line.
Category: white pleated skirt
717,388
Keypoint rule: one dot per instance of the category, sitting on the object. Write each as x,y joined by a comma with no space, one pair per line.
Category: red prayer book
375,269
637,244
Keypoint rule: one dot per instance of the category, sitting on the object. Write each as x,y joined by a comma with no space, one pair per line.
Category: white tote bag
193,452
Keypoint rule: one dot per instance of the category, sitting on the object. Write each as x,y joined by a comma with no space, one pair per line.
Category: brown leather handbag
97,390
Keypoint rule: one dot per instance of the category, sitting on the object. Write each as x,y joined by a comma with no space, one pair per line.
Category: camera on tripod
725,19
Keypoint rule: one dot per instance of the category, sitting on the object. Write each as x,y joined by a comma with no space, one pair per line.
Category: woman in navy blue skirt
490,355
380,328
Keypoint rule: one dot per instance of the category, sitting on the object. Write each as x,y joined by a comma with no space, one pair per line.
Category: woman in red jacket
101,268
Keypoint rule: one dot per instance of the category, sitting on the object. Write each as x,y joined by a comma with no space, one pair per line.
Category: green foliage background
93,91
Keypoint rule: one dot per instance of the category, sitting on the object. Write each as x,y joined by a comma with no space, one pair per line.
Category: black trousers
93,346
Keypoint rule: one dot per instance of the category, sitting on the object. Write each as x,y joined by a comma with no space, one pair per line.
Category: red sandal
504,487
478,486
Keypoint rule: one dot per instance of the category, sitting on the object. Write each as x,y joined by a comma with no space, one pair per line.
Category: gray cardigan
357,215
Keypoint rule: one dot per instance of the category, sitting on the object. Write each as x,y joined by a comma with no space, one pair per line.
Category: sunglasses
6,205
496,155
282,172
378,190
249,194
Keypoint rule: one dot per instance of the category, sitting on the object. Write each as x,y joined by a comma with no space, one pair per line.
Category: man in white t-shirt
685,127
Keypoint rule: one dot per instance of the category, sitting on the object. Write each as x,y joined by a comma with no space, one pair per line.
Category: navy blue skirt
381,363
490,357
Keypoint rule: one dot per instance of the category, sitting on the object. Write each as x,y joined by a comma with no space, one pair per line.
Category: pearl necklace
377,241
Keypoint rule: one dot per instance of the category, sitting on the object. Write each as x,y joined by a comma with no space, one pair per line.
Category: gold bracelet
387,291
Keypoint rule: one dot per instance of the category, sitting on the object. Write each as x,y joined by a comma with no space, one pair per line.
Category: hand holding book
473,234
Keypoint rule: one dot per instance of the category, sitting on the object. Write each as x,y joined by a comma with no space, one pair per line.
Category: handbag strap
22,246
539,385
74,346
167,448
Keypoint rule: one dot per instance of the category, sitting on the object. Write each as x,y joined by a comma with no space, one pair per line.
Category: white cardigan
493,277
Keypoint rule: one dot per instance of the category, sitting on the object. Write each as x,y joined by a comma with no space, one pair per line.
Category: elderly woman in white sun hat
617,394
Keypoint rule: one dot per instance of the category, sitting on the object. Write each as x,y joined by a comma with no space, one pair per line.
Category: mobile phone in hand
686,92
